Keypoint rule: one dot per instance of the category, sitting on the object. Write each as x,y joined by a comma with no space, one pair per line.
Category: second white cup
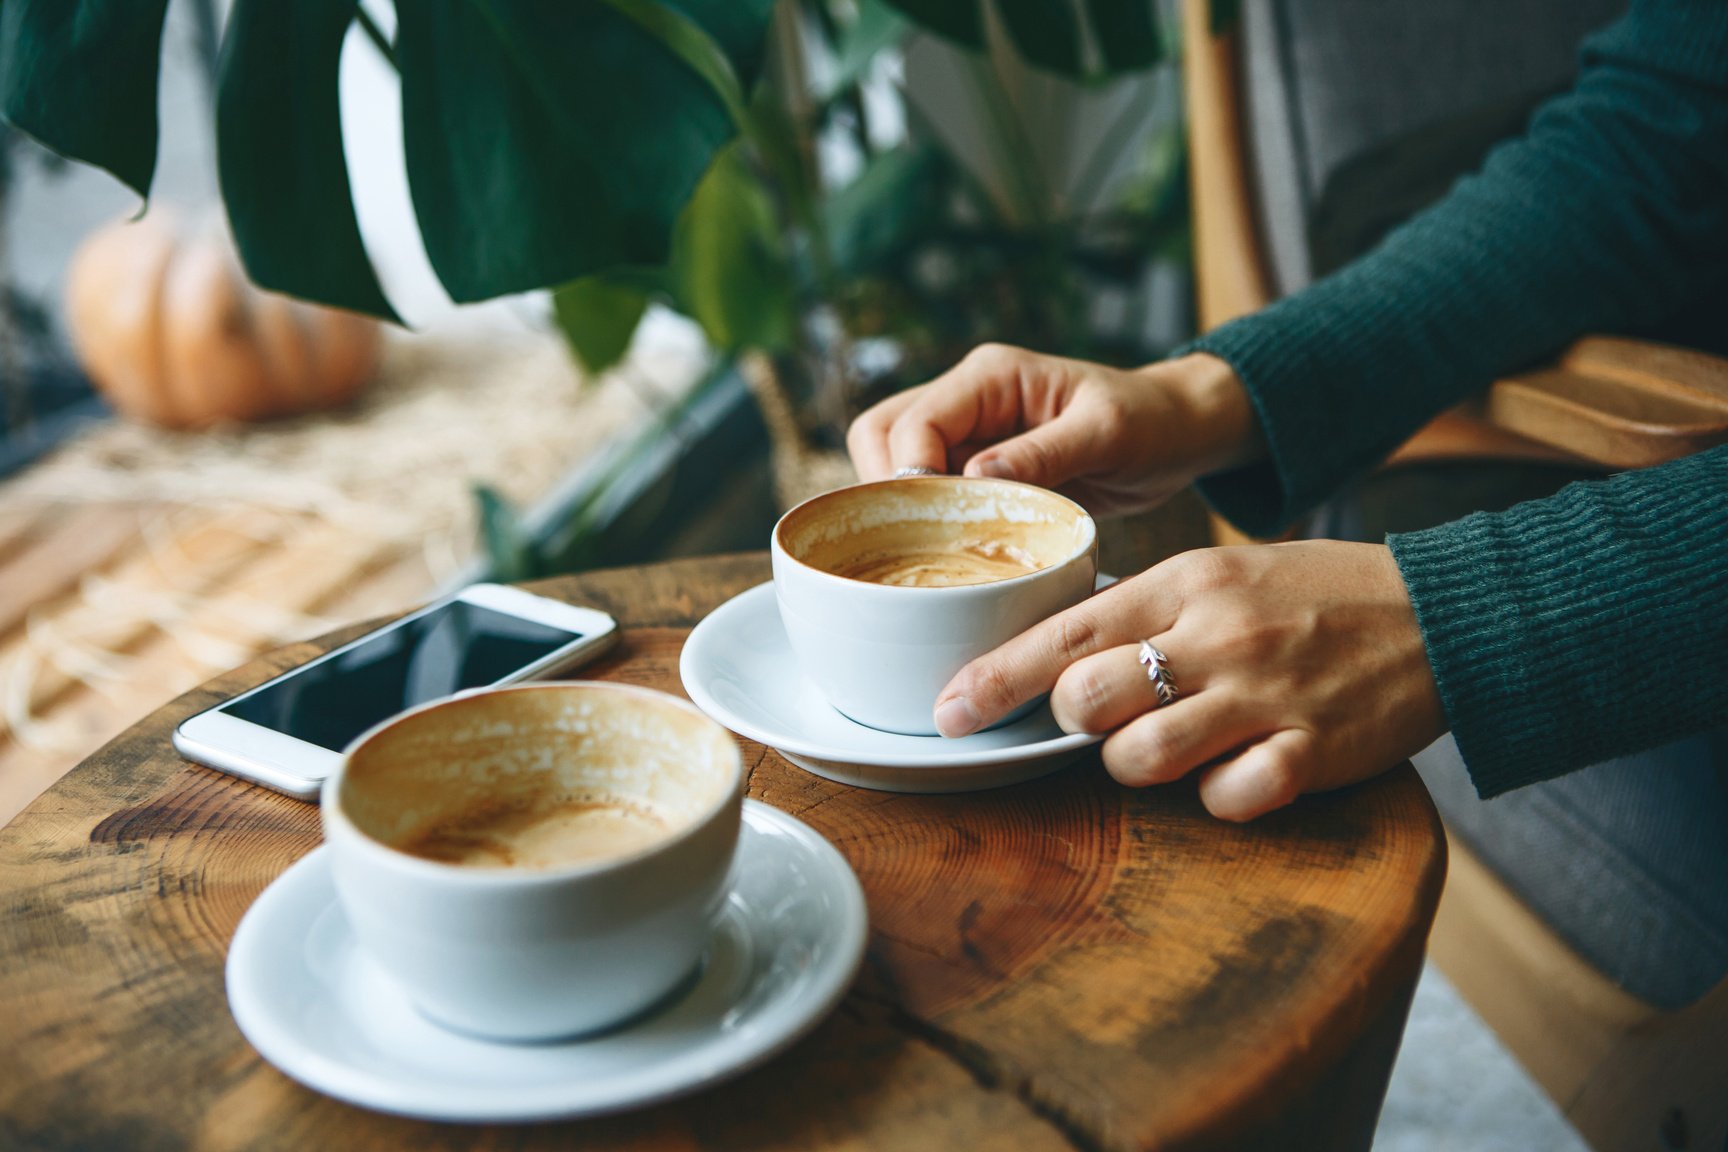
887,589
537,861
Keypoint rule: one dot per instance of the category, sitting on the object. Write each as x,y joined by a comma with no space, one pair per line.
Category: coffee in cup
540,860
540,832
887,589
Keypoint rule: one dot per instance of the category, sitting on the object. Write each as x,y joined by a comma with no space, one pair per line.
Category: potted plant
620,152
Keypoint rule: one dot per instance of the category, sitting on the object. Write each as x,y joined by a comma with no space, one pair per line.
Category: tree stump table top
1060,964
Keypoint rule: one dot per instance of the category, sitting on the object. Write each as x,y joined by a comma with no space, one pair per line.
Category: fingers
1265,776
996,392
1168,743
1048,455
1027,666
1104,691
921,435
867,438
976,400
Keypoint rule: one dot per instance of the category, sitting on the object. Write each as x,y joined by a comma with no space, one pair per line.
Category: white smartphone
288,733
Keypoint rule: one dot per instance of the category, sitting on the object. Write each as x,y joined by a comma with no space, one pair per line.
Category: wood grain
1231,273
1619,403
1063,964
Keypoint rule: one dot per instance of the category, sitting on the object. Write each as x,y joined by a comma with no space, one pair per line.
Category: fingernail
995,468
956,717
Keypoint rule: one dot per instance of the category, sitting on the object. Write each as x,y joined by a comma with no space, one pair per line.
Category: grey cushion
1626,859
1333,89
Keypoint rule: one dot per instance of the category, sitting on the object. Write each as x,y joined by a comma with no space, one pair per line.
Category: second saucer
738,667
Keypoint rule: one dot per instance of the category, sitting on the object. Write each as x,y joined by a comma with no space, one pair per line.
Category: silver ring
1158,671
914,470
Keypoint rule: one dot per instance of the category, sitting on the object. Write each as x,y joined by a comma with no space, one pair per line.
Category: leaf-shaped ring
1158,671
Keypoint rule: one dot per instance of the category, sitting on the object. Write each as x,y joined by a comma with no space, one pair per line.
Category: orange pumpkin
169,329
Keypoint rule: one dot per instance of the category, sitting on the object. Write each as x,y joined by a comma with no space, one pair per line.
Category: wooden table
1065,964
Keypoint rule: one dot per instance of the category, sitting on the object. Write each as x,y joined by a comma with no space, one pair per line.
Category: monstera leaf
548,142
279,153
545,139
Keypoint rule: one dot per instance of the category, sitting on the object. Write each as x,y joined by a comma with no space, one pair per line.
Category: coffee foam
530,832
534,767
967,561
935,531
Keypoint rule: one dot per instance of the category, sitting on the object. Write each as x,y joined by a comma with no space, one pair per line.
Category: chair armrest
1616,402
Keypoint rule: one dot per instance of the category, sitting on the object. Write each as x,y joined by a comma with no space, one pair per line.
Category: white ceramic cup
535,949
881,652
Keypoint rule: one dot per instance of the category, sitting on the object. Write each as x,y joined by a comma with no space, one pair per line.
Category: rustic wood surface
1062,964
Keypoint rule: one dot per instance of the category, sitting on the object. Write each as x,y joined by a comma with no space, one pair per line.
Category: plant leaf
546,141
877,27
691,43
510,552
730,264
895,198
1045,32
279,153
1126,33
739,27
959,20
598,316
80,76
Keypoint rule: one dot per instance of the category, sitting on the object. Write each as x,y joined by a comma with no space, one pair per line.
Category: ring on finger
915,470
1158,672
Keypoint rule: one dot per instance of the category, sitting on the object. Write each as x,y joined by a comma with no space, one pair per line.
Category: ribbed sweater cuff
1307,363
1260,499
1567,631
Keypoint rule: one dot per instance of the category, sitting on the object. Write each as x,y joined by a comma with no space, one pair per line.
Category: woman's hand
1114,440
1300,668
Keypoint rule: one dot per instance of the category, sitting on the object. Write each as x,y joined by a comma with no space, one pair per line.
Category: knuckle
1080,700
992,358
1204,570
859,433
1122,764
1035,458
1075,635
1156,745
1140,754
1110,416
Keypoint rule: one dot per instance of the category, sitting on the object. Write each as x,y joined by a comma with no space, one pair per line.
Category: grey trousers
1626,860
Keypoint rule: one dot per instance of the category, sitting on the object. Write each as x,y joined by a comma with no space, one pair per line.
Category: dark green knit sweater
1573,629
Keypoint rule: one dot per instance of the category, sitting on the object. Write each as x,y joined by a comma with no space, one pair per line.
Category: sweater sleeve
1590,624
1607,215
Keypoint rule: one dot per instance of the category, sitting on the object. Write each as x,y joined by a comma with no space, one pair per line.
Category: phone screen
455,646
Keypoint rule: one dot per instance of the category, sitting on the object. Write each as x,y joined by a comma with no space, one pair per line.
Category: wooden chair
1626,1074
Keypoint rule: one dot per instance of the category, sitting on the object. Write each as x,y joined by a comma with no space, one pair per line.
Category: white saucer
738,667
787,946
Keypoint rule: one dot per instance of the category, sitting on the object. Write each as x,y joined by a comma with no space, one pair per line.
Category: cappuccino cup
536,861
887,589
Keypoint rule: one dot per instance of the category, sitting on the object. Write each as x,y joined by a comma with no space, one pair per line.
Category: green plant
619,152
615,150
